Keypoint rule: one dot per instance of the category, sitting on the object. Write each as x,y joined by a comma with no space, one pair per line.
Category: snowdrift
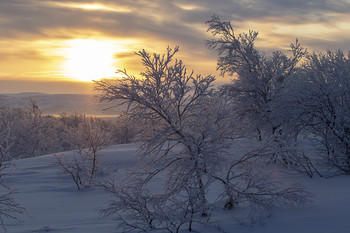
53,203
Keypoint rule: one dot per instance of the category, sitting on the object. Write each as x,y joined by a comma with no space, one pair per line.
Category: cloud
159,20
179,21
33,29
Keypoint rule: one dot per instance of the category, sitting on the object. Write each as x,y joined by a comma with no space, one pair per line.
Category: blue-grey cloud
164,19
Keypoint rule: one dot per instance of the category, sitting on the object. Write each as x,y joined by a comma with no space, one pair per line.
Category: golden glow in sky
45,45
89,6
88,59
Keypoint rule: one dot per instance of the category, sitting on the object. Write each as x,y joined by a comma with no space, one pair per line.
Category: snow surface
54,204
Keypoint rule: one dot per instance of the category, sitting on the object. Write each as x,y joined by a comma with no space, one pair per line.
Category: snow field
53,203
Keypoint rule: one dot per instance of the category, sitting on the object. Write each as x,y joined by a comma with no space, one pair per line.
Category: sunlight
94,7
91,6
88,60
189,7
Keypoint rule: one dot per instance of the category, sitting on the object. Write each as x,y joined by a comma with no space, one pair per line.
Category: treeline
27,132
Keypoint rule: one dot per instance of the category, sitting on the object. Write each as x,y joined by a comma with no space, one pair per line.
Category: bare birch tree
90,138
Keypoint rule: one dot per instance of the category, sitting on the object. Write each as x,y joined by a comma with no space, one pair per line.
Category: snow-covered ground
54,204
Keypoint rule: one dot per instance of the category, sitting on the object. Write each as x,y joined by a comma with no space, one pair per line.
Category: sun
88,59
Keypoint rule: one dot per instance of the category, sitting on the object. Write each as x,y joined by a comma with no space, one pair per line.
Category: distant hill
59,103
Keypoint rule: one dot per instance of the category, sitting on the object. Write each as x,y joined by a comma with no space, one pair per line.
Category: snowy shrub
138,209
247,185
89,137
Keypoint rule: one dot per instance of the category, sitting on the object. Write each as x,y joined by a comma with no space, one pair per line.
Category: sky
57,46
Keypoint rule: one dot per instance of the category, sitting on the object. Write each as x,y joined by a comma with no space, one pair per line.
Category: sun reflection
88,59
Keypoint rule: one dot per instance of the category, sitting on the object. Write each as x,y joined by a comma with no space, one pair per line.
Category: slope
54,204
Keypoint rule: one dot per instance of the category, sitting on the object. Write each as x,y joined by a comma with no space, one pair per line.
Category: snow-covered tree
32,132
9,208
261,90
169,103
257,78
188,130
322,105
